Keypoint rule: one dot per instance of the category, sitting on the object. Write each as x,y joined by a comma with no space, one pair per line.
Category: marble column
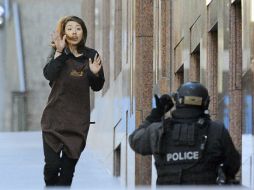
143,77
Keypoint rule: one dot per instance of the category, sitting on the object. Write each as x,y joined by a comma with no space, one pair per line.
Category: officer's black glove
163,105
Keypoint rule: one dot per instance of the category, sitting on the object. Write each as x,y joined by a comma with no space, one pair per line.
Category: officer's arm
231,157
144,140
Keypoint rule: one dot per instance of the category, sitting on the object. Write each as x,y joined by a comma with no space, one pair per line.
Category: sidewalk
21,165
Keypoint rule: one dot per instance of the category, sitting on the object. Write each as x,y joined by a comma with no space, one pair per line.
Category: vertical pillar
143,77
212,71
2,73
164,45
235,77
88,13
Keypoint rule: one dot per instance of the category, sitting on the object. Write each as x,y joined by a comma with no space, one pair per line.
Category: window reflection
248,114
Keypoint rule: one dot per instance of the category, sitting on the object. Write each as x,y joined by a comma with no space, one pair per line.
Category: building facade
153,46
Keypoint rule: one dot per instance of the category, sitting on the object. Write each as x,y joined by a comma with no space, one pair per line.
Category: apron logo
177,156
77,73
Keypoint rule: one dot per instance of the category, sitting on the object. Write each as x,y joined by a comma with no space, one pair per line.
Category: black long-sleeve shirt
54,66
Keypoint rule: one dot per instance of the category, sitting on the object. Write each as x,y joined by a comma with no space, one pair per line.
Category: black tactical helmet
192,94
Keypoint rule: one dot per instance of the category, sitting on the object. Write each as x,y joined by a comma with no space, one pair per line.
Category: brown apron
66,118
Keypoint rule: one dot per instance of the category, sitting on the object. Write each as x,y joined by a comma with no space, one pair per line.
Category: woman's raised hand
95,66
58,41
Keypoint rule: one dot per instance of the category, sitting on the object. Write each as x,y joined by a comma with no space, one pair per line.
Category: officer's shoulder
155,125
217,125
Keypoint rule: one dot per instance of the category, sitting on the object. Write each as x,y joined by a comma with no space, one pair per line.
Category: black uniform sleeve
155,115
145,139
54,66
231,157
96,82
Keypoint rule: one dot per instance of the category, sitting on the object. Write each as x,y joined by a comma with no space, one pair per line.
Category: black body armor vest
181,158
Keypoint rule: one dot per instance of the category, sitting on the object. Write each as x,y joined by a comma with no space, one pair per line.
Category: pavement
22,160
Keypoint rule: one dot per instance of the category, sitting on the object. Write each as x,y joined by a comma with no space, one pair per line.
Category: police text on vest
176,156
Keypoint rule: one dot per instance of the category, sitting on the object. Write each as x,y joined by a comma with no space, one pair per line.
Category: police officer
188,147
